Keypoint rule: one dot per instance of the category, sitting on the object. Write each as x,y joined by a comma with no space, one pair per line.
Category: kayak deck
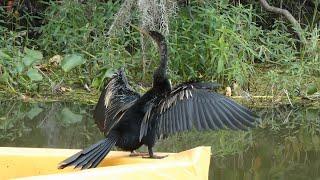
42,163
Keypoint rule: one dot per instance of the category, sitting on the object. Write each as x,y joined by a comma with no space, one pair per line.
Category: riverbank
91,98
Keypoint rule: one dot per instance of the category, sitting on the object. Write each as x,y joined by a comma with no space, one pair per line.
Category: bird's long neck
161,71
160,75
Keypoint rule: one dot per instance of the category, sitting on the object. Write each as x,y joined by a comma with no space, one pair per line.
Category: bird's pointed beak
144,32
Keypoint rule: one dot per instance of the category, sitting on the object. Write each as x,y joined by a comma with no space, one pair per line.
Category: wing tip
61,166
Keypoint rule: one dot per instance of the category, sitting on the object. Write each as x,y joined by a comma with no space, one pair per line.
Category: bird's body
129,125
130,120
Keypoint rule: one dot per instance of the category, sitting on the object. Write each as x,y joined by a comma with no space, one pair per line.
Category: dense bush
210,40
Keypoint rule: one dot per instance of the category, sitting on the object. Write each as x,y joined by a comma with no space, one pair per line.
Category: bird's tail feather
91,156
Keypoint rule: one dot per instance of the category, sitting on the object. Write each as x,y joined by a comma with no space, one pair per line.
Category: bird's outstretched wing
115,99
191,106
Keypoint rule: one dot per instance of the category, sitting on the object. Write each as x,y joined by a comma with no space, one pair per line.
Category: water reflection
59,125
287,146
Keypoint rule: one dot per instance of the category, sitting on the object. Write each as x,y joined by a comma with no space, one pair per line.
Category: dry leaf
55,60
228,91
24,97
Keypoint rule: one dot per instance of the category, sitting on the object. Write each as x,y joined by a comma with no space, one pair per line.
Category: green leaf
71,61
6,124
4,77
96,82
68,117
31,56
311,89
4,55
220,67
35,111
109,73
34,75
19,67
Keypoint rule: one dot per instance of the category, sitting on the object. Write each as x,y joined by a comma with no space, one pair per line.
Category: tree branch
288,15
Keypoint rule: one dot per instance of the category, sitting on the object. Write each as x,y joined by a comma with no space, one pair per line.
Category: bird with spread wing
130,120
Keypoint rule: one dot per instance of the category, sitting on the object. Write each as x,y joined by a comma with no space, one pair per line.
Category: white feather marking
162,107
107,98
181,95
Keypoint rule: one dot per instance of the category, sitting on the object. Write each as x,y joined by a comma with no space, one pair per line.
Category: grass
211,41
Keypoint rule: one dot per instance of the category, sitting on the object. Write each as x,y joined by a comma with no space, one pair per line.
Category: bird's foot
155,156
134,154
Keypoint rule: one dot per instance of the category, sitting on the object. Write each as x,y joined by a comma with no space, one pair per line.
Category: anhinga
129,120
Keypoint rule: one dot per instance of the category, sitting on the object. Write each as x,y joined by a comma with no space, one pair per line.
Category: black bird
129,120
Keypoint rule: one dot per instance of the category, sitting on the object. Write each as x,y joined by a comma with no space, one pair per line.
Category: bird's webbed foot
134,154
153,156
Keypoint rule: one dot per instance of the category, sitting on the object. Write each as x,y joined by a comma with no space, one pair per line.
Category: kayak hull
41,163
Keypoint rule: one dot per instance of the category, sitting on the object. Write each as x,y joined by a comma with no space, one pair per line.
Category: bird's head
158,37
121,75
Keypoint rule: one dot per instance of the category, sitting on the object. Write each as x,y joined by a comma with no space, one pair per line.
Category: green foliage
210,40
34,75
218,42
312,88
18,65
31,56
80,30
71,61
72,26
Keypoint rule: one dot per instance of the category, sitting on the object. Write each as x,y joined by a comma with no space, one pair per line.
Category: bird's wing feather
114,100
187,107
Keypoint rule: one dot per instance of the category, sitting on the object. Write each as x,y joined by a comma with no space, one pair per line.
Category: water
287,146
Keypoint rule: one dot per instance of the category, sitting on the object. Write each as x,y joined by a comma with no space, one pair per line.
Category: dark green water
287,146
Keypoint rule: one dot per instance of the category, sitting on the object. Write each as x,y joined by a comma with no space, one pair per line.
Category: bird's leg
153,156
135,153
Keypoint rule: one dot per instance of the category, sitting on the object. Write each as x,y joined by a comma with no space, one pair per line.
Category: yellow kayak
41,163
